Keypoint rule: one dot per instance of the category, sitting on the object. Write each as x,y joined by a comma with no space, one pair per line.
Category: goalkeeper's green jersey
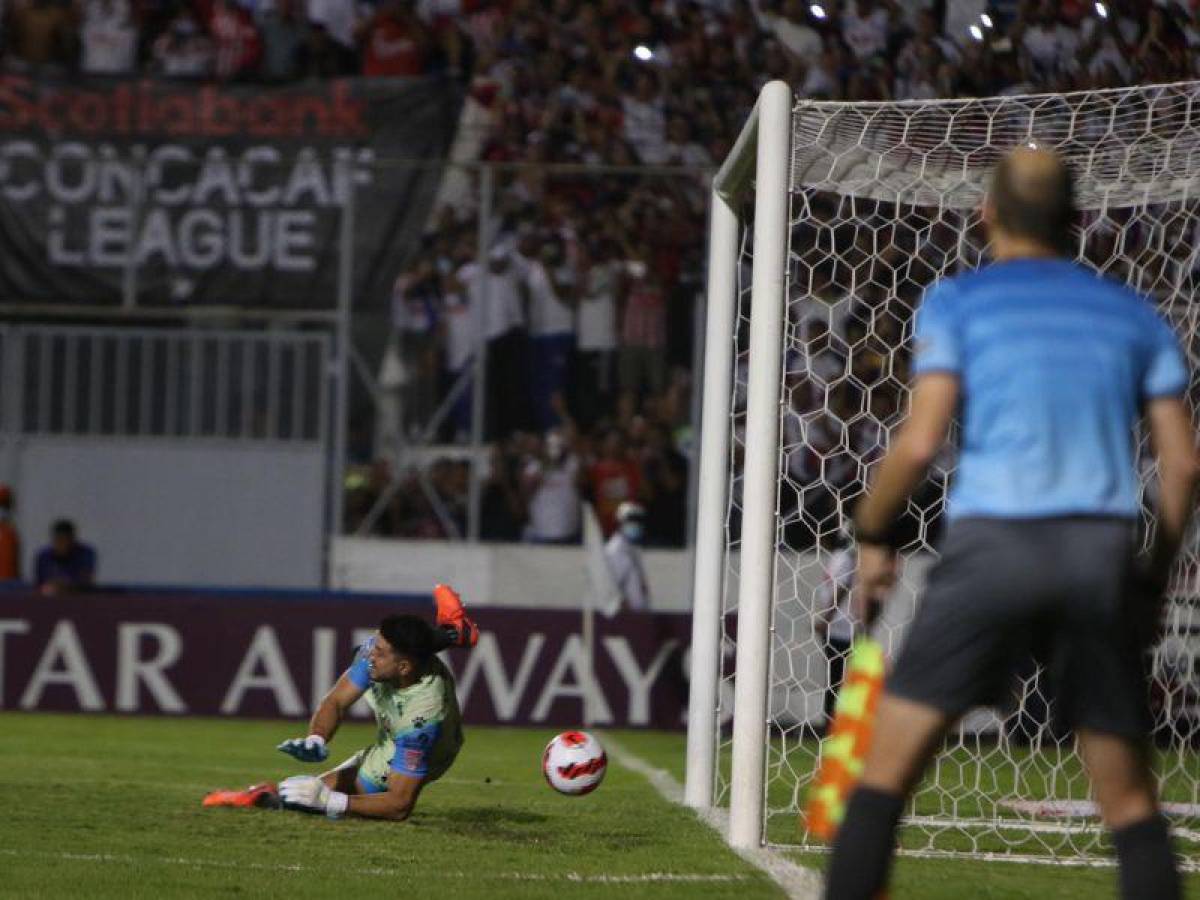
419,727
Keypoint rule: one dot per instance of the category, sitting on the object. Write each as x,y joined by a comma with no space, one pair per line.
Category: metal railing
165,383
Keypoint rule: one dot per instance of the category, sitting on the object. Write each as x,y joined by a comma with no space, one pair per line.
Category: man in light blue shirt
1049,368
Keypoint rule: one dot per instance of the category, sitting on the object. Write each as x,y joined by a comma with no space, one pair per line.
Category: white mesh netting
884,200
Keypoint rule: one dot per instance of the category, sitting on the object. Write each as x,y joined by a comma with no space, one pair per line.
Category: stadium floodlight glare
643,53
843,213
817,10
976,32
986,20
1102,10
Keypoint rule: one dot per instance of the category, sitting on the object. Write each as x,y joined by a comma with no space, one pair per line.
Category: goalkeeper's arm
333,708
324,722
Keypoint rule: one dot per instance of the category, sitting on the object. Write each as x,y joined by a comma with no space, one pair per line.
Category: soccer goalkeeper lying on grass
420,729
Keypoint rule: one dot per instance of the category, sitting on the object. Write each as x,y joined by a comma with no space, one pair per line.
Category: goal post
828,222
759,158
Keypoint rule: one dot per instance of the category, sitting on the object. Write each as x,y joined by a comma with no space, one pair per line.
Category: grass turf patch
937,879
110,807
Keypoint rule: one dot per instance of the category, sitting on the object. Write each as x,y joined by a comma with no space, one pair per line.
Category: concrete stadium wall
200,513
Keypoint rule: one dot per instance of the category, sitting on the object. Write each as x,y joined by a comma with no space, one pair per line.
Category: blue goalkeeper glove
309,792
309,749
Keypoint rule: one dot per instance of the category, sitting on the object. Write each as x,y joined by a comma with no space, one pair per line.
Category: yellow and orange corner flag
844,749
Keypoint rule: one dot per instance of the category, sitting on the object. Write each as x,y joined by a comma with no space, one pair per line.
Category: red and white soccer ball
574,763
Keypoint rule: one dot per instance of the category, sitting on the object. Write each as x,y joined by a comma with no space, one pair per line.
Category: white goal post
828,220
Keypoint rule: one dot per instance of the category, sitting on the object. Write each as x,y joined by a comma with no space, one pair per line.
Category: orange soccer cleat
263,796
452,618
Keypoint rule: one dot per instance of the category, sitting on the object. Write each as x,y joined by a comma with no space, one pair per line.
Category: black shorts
1062,591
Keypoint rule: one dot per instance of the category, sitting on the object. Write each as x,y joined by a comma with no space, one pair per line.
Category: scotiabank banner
249,656
218,194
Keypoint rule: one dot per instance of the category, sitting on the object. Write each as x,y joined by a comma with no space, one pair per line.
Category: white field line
797,882
1186,864
566,877
1037,827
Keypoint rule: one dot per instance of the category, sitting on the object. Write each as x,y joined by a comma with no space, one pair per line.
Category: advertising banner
250,655
213,194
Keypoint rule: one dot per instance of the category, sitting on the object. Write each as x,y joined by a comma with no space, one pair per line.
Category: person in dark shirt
66,564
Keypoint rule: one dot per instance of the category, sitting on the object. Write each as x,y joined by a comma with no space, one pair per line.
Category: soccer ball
574,763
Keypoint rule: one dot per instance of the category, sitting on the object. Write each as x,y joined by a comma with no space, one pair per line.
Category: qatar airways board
247,655
226,194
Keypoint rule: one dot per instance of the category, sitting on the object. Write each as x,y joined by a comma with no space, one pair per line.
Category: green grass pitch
98,807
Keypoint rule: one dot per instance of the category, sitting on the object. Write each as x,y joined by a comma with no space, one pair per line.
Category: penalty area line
565,877
796,881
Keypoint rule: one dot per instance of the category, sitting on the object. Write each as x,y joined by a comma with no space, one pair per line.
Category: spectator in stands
642,358
612,479
416,298
644,123
866,28
285,34
823,80
237,48
550,485
10,541
42,35
664,489
450,480
1049,41
600,285
790,24
108,38
67,564
183,50
395,42
502,509
623,553
498,292
458,332
682,149
1111,40
550,287
336,19
324,56
1163,49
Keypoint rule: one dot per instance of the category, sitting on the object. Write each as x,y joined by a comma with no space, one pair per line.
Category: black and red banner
250,655
213,194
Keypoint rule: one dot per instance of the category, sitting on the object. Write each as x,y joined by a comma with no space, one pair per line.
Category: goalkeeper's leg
454,628
905,737
344,777
266,794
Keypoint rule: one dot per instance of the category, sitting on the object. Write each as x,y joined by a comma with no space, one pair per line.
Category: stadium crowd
605,270
664,77
593,272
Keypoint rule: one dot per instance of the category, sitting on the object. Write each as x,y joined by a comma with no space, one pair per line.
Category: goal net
844,214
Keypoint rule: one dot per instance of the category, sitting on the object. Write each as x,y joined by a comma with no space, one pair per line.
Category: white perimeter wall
556,577
496,574
201,513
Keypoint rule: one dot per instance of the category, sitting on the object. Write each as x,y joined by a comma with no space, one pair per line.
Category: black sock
1147,862
862,851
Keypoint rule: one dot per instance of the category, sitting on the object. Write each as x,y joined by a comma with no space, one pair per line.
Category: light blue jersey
1054,364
